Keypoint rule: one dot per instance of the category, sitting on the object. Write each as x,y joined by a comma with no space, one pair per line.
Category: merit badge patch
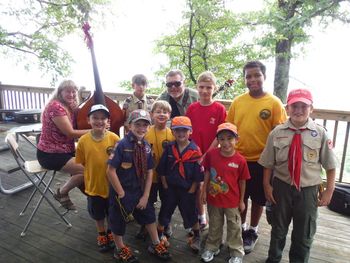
311,155
265,114
148,149
314,133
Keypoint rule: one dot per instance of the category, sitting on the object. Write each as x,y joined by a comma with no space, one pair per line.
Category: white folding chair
36,175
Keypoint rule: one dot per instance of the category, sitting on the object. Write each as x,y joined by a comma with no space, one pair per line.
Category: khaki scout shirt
316,152
132,103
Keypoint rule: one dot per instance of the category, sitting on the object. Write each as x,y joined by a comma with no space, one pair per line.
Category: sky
124,47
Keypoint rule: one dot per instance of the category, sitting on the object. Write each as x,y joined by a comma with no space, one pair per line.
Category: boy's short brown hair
255,64
207,76
162,104
139,79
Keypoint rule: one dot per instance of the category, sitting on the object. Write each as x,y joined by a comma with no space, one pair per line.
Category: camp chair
36,175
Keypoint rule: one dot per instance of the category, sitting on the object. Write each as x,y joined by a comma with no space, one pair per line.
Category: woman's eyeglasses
175,83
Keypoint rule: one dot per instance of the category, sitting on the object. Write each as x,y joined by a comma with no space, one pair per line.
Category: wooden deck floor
49,240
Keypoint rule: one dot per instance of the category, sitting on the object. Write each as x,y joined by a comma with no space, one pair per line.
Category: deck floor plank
49,240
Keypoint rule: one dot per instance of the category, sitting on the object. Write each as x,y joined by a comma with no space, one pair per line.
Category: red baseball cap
299,95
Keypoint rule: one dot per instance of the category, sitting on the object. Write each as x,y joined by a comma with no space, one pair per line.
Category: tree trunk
283,56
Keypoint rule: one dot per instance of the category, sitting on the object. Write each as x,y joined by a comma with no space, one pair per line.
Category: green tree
285,25
34,28
208,39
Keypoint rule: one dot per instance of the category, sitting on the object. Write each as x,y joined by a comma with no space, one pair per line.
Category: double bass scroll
116,113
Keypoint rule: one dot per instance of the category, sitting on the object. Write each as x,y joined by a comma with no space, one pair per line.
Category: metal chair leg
40,180
43,195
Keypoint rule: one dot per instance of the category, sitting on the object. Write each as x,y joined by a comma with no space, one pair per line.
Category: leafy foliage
286,25
33,29
210,38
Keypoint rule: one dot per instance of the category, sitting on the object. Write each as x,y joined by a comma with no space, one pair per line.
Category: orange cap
226,126
181,122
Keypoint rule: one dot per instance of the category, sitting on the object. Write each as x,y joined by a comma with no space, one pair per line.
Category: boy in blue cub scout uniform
130,175
180,174
296,151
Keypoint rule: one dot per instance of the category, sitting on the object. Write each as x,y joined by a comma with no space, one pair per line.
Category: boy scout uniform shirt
167,167
123,161
132,103
316,151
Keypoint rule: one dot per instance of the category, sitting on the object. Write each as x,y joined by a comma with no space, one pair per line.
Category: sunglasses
175,83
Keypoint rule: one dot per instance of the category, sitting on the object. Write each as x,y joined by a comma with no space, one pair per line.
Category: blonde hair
207,76
162,104
57,94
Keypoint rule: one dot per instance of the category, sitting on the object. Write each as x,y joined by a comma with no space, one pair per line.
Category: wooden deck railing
337,122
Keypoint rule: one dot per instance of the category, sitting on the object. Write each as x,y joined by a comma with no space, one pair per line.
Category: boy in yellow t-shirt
255,114
92,152
158,136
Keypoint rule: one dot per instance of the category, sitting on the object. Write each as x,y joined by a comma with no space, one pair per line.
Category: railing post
1,97
344,152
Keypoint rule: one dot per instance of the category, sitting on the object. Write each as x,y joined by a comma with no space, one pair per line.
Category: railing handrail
29,97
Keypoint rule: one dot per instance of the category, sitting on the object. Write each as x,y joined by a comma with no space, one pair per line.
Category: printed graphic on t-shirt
217,185
265,114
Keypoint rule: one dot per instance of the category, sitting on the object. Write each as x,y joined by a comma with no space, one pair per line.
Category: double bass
116,113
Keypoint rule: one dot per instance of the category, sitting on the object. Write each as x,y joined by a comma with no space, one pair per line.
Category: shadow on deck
49,240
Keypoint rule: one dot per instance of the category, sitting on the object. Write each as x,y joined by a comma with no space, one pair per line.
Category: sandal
64,200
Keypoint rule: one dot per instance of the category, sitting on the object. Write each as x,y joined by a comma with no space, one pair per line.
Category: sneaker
124,255
250,237
235,260
208,255
142,234
163,239
102,243
110,240
194,243
160,251
168,231
64,200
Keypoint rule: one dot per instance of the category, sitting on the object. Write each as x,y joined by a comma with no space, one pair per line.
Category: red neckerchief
191,155
295,157
140,160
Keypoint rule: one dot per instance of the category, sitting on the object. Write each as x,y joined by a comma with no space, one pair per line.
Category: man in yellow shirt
255,114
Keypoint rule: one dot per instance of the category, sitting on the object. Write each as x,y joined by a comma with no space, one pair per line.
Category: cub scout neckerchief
140,160
295,157
191,155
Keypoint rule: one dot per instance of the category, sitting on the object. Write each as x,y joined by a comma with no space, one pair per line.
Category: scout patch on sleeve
330,144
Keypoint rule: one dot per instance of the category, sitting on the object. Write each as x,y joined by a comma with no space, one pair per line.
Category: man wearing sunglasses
179,96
